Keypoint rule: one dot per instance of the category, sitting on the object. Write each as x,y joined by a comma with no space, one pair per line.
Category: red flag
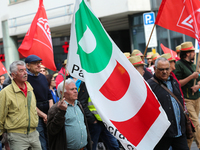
2,69
38,39
180,16
167,50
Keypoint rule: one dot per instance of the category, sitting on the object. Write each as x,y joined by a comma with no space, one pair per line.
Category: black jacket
56,129
83,99
147,75
165,101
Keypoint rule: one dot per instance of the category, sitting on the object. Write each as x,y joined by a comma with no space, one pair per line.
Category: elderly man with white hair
18,115
67,126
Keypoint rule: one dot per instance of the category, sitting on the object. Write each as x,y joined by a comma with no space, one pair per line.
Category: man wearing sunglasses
175,135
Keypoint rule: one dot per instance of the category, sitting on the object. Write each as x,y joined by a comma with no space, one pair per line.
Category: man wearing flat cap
186,74
42,94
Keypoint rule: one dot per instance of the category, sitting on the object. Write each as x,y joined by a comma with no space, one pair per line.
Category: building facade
122,19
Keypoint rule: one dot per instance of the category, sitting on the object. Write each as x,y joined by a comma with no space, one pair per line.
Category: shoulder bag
189,127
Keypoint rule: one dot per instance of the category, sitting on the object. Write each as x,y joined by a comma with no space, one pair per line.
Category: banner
180,16
37,40
2,69
167,50
124,101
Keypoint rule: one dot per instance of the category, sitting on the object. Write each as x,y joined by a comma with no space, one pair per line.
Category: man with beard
186,74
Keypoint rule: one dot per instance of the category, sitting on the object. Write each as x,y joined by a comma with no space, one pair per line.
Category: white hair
160,59
60,86
13,66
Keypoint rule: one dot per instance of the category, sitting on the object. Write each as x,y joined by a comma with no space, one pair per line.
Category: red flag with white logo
123,99
180,16
167,50
37,40
2,69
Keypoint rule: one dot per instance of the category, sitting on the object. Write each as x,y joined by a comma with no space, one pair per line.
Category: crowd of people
35,112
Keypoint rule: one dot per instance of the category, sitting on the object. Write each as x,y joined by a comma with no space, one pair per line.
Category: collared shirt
75,128
30,73
183,72
175,107
24,90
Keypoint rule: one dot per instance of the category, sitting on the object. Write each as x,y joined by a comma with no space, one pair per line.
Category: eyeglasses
42,70
163,69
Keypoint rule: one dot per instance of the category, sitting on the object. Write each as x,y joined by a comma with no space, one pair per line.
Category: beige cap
149,55
136,52
178,48
155,56
168,56
65,62
127,54
136,60
187,46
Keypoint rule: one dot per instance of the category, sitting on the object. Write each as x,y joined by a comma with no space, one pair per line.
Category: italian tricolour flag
125,102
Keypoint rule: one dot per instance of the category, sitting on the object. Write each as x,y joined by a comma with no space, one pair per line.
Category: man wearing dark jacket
67,126
175,135
43,96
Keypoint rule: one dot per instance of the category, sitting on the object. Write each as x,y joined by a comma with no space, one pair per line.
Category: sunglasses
163,69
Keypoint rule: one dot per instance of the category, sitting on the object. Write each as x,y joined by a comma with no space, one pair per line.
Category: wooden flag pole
63,85
197,66
9,75
149,40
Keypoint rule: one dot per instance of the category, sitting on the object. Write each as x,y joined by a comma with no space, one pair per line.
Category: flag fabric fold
125,102
2,69
180,16
37,40
167,50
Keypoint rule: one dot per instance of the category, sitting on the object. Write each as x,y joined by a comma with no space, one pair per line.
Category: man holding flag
185,73
119,93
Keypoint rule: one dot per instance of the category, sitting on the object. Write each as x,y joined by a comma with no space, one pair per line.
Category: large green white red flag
125,102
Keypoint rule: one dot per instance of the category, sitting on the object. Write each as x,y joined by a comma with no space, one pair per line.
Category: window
15,1
155,4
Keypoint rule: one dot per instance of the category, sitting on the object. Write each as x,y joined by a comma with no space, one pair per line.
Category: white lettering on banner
187,23
44,25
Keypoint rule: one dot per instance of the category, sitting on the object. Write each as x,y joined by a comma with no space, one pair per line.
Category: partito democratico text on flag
126,104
